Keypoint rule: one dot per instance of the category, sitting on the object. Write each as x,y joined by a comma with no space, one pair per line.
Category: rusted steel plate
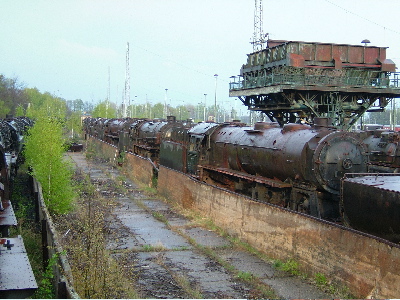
16,276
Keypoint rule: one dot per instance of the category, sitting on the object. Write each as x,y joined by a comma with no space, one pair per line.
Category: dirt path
170,257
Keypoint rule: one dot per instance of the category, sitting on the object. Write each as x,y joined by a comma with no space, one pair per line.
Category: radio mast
127,92
259,39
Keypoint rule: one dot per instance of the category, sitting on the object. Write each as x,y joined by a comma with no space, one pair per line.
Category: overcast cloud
67,47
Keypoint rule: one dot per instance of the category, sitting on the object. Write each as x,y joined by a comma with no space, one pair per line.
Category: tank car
371,203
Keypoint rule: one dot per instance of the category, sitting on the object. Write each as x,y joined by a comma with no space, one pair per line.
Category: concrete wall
63,280
367,266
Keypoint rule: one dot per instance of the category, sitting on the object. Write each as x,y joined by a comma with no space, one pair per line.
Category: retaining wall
134,166
367,266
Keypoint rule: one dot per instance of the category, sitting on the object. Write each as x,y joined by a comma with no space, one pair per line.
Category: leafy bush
44,149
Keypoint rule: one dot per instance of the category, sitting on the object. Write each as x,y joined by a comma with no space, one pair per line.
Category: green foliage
4,109
291,266
320,279
245,276
44,150
74,125
104,109
41,105
11,95
19,112
46,290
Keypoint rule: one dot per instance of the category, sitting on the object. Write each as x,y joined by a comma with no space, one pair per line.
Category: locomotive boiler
297,166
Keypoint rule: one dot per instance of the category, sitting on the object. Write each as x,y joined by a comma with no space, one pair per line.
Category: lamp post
134,107
165,105
215,98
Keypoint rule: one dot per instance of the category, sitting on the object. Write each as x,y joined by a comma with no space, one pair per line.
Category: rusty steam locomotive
296,166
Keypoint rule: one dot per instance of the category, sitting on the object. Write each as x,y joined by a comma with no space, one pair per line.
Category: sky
76,49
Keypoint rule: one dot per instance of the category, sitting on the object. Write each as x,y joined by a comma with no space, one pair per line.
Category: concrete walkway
166,251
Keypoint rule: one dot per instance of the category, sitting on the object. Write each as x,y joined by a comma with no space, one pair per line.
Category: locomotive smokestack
171,119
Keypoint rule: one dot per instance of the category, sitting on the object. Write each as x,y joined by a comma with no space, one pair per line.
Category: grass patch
320,280
245,276
291,266
159,216
96,273
153,248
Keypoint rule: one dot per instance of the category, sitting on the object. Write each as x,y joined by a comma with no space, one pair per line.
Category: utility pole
259,39
215,99
205,102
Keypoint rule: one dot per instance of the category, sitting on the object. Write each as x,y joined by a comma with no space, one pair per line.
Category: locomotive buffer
293,81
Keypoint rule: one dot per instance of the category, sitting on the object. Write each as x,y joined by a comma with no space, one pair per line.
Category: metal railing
240,83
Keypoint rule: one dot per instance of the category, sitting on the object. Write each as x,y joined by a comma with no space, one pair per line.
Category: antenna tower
127,95
259,39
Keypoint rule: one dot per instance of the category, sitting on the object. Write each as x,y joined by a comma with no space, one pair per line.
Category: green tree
73,124
19,112
158,110
104,109
44,150
11,95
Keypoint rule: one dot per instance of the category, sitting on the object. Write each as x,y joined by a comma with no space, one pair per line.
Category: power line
361,17
176,63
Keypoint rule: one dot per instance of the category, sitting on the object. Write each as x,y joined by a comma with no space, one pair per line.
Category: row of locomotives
141,137
16,276
295,166
298,166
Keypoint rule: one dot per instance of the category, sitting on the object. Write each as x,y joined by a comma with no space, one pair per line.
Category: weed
277,264
320,280
245,276
153,248
121,158
150,191
45,289
292,267
159,216
96,274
